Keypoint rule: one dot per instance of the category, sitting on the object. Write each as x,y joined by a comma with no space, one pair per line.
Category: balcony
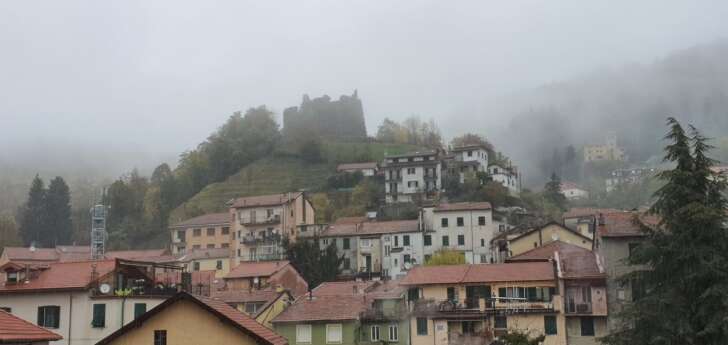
394,178
578,308
252,240
274,219
483,306
377,314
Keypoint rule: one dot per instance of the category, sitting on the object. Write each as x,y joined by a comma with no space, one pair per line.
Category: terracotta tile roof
625,224
265,200
62,276
480,273
256,269
324,308
350,220
243,296
136,254
576,212
464,206
343,288
74,253
564,228
222,310
370,228
388,289
197,254
575,262
25,254
205,219
356,166
16,330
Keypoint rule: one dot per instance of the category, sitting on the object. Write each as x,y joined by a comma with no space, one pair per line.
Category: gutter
70,316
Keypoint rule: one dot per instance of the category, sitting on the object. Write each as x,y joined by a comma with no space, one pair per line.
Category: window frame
160,337
503,323
197,232
55,320
210,232
444,222
299,328
405,240
137,310
98,315
481,220
582,323
445,240
394,328
371,333
461,240
550,326
460,221
420,329
341,333
428,240
346,243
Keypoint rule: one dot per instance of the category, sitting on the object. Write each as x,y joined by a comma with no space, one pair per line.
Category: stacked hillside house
466,161
208,231
466,227
508,176
412,177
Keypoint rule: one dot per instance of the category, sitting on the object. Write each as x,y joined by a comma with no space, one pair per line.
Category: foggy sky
159,76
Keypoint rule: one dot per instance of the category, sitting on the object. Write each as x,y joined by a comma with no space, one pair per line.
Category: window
197,232
210,246
414,184
470,153
393,333
49,316
445,241
347,243
482,242
225,245
196,266
501,322
461,221
253,307
238,252
428,257
374,336
451,294
632,248
461,240
421,326
347,263
181,235
405,240
12,277
196,246
160,337
481,220
226,230
218,265
396,241
587,326
549,324
406,258
333,333
139,309
443,222
410,171
428,240
210,231
303,334
99,316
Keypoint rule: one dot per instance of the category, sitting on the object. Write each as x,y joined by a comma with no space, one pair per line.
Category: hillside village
431,245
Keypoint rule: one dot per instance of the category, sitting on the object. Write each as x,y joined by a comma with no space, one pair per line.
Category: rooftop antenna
98,231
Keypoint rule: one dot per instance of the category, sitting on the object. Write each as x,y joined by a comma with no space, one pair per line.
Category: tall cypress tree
552,192
32,214
685,258
58,227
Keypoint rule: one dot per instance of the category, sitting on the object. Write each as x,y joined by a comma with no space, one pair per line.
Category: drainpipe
472,239
123,299
70,316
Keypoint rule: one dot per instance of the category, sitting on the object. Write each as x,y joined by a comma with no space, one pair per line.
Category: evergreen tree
685,280
552,192
315,265
58,228
32,214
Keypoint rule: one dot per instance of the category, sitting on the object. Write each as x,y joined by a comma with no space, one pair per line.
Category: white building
374,249
508,177
411,176
468,160
78,300
572,191
466,227
365,168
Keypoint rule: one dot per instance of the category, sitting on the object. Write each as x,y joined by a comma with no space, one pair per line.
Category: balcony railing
253,240
395,178
578,307
274,219
492,305
379,315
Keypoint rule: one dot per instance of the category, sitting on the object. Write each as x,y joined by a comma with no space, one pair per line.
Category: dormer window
12,277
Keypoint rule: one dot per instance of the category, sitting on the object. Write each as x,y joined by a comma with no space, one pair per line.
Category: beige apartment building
208,231
260,223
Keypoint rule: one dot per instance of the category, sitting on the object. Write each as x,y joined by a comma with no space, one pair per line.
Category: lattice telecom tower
98,231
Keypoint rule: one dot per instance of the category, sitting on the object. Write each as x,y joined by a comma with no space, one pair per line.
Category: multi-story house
618,234
583,281
474,304
467,161
367,169
609,151
518,241
260,223
82,301
584,219
207,231
347,313
265,275
217,260
375,248
466,227
508,176
411,177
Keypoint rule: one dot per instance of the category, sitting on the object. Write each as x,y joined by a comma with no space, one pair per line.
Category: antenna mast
98,231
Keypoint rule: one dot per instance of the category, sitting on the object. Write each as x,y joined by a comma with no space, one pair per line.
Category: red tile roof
62,276
625,224
480,273
222,218
356,166
576,212
197,254
136,254
575,262
243,296
25,254
324,308
464,206
256,269
343,288
348,228
226,313
265,200
16,330
74,253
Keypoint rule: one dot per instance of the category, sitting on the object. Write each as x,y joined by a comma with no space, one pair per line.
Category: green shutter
41,319
421,326
99,315
139,309
501,292
549,324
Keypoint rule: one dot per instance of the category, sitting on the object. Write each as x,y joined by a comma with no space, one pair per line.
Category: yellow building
217,260
188,319
461,304
262,305
542,235
208,231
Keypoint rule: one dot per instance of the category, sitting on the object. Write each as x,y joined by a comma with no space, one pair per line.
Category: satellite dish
255,280
105,288
407,265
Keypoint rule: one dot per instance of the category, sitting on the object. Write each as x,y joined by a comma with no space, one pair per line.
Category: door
368,261
474,293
